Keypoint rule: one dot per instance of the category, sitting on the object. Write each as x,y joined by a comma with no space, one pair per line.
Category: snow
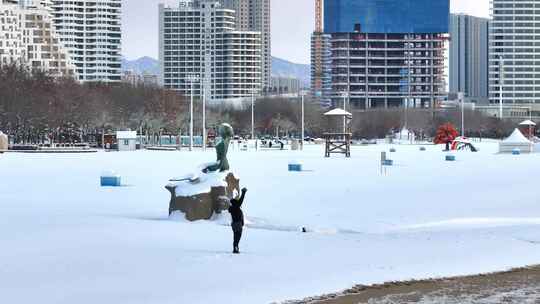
521,295
198,183
67,240
109,173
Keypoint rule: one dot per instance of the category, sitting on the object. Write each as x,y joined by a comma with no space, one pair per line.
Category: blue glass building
386,16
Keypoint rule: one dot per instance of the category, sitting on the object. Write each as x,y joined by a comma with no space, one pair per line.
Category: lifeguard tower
339,142
528,127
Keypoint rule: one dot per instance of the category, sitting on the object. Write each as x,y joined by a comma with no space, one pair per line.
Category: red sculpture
445,135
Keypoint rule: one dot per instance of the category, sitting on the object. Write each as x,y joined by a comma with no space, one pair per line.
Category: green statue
222,164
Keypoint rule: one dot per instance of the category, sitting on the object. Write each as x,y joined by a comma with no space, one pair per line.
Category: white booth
127,140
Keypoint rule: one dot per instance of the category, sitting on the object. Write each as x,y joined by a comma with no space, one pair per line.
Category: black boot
236,250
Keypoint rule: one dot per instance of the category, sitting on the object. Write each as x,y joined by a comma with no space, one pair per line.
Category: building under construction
321,70
388,70
387,54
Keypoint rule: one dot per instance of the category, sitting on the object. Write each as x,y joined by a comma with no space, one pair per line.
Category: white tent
3,141
528,123
516,141
405,134
338,112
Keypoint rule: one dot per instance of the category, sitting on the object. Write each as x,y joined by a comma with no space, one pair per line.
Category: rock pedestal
197,204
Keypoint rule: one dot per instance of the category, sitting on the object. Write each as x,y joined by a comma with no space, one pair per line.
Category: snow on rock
199,184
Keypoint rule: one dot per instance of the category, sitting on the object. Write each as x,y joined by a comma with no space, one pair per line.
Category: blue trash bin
388,162
295,167
110,180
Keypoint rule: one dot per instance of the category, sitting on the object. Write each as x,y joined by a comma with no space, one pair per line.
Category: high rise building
514,45
29,38
11,43
254,15
469,38
201,38
387,53
321,69
285,86
91,31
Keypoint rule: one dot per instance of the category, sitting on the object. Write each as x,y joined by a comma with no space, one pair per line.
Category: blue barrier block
388,162
295,167
110,181
516,152
450,158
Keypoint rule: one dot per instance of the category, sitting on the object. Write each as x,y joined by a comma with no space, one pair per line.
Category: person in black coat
237,219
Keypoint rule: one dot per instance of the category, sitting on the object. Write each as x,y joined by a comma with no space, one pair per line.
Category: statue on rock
207,191
226,133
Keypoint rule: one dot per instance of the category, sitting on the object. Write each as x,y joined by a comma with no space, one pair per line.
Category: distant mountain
280,67
284,68
142,65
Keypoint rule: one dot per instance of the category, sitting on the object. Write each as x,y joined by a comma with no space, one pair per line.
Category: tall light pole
192,78
253,114
462,100
204,114
345,96
409,91
303,94
501,81
530,119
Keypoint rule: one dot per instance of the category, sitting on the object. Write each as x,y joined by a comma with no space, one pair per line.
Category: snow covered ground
64,239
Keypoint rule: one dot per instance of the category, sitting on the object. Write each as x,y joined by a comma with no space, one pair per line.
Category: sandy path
518,286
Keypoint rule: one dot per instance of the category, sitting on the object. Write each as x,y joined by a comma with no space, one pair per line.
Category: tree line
35,107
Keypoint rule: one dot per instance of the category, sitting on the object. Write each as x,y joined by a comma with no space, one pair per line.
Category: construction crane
317,51
318,16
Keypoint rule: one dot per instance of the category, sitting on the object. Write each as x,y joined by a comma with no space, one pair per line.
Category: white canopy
338,112
126,134
3,141
527,123
517,138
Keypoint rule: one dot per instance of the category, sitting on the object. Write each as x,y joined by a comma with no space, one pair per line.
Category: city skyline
291,30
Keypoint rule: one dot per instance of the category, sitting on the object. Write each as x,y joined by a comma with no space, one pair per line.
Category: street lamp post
461,98
302,138
192,78
253,115
204,116
530,119
303,124
345,96
501,80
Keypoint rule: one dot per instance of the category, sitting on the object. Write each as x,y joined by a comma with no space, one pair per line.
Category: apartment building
91,32
199,43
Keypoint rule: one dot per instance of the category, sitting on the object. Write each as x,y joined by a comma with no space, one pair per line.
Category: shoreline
518,285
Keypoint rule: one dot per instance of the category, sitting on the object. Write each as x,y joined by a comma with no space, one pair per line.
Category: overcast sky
292,24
